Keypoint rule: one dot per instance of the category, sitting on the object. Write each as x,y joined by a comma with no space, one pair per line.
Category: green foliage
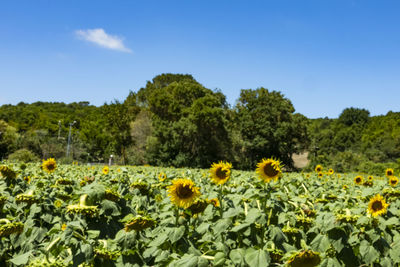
23,155
176,121
350,116
189,124
268,127
108,222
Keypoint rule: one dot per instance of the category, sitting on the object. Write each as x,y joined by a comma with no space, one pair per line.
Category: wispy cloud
101,38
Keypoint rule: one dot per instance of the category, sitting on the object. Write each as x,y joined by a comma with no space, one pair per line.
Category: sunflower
162,176
183,192
377,206
331,171
198,206
220,172
105,170
393,180
49,165
320,174
370,178
358,180
215,202
318,168
269,169
389,172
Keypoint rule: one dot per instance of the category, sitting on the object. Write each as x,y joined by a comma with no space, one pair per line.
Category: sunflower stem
176,216
221,210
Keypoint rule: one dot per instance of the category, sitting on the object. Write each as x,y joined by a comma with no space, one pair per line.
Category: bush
23,155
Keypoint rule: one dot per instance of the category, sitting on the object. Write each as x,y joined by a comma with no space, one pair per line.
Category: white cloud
101,38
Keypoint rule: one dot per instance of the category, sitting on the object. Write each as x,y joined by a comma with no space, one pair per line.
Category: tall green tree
268,127
189,123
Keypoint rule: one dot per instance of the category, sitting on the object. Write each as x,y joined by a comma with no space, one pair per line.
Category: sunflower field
78,215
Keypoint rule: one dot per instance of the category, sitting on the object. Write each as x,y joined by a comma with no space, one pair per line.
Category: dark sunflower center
358,180
393,181
389,173
221,174
184,191
50,166
269,170
318,169
377,205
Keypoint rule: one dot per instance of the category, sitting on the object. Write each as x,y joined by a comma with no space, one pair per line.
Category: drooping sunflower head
49,165
303,258
393,180
105,170
7,172
389,172
331,171
358,180
318,168
214,202
269,169
220,172
162,176
198,206
183,192
10,228
139,223
377,206
320,174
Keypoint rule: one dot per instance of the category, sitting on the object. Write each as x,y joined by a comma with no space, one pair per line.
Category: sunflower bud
106,254
63,181
290,230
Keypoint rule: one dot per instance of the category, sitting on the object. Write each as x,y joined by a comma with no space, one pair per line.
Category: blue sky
323,55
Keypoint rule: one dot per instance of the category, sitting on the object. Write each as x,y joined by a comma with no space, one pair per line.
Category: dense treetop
174,120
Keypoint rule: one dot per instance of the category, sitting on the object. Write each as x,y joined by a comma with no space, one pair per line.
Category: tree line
175,121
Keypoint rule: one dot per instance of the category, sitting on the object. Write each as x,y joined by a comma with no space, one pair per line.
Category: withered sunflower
377,206
220,172
269,169
49,165
183,192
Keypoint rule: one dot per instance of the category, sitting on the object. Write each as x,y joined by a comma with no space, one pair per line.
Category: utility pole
69,137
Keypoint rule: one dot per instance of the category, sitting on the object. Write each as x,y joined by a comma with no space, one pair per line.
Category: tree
350,116
189,123
268,127
8,139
